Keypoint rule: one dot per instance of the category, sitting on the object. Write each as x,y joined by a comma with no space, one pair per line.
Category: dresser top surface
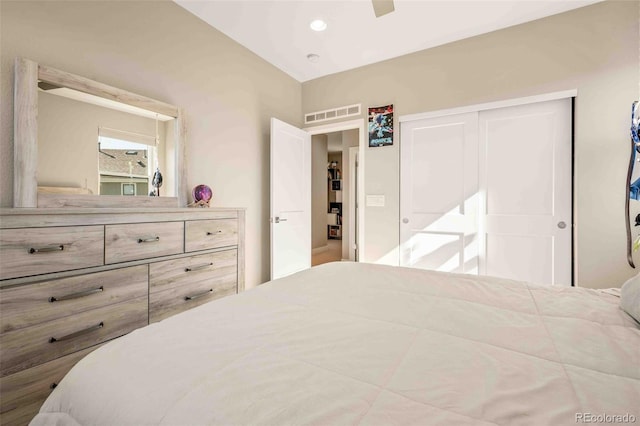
42,217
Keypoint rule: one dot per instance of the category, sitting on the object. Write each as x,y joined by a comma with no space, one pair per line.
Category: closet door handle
47,249
195,296
148,240
214,233
198,267
77,295
77,333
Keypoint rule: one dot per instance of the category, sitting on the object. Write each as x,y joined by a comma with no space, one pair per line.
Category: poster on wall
381,126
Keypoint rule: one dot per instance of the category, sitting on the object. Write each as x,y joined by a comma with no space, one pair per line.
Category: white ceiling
278,30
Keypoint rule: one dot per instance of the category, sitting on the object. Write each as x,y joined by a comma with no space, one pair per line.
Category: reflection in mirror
124,167
91,145
633,183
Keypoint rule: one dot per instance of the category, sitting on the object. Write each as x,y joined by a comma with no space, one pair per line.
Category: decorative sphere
202,193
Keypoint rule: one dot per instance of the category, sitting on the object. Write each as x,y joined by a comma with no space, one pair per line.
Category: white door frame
571,93
360,125
353,167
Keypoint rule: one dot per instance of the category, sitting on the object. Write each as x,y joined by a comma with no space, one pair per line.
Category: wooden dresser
73,279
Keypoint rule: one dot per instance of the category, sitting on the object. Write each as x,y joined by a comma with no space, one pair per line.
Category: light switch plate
375,200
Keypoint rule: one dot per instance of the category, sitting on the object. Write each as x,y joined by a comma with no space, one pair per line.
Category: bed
353,343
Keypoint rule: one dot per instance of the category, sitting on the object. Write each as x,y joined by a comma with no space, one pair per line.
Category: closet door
439,193
525,182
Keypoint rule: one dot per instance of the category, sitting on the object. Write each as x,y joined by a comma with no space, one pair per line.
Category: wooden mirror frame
25,140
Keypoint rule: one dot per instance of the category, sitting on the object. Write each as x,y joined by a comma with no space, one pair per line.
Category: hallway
334,254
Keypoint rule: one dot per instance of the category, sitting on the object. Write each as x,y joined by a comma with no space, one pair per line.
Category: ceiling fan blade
382,7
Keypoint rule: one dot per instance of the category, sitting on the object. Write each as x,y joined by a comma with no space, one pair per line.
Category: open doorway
334,202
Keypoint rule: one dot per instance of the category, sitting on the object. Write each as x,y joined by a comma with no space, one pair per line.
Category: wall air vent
332,114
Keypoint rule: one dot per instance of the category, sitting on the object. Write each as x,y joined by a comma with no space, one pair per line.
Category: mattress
352,343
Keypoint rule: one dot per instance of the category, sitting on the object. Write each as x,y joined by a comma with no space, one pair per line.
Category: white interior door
290,199
525,179
439,193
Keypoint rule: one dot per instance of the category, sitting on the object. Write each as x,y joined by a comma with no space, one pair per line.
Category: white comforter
348,343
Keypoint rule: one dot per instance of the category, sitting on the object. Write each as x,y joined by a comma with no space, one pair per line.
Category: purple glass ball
202,193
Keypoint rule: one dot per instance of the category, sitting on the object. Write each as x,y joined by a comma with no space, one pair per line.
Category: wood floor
334,254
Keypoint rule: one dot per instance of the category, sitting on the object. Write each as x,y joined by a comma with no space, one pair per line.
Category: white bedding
347,343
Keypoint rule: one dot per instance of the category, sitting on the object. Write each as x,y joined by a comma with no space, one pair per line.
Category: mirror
81,143
98,148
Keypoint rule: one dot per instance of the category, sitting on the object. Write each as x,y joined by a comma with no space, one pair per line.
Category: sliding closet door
525,181
439,193
489,192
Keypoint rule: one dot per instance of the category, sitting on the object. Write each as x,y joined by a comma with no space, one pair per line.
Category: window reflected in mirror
125,167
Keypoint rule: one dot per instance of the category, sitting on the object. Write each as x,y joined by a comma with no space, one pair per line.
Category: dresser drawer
33,304
40,343
143,240
34,251
208,234
181,284
24,393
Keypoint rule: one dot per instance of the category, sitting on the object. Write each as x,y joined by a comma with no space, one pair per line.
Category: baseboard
319,250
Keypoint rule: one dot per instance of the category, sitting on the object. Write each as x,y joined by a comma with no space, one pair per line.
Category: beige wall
319,206
158,49
592,49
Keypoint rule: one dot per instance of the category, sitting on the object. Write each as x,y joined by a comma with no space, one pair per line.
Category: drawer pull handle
77,295
214,233
48,249
148,240
77,333
195,296
198,267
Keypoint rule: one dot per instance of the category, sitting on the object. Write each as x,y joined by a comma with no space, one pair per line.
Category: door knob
278,220
405,220
562,224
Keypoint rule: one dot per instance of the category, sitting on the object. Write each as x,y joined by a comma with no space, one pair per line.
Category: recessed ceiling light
318,25
313,57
